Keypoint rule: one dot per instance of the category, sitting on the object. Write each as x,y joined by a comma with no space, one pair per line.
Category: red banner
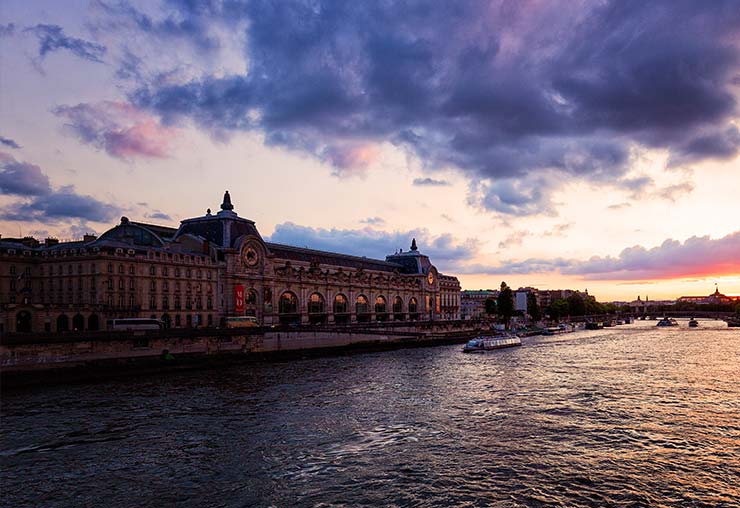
239,298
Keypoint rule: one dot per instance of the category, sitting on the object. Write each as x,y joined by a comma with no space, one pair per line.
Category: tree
533,308
490,306
576,305
558,309
505,304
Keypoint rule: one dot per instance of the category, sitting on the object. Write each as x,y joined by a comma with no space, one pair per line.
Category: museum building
210,268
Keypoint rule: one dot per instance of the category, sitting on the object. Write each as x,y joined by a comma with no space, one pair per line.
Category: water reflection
629,416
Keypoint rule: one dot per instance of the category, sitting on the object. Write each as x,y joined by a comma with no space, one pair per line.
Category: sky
584,145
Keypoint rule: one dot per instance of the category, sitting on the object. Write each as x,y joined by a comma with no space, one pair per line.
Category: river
627,416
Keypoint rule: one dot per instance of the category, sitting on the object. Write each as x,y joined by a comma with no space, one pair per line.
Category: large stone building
211,267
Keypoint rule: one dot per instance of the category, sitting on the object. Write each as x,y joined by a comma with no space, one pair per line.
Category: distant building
473,302
715,298
208,268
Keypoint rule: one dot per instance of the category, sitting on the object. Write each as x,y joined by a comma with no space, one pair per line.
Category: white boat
667,322
485,343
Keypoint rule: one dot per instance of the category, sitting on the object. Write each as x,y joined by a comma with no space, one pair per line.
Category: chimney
88,237
49,242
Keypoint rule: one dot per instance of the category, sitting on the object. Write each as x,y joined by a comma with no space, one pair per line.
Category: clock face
251,258
430,278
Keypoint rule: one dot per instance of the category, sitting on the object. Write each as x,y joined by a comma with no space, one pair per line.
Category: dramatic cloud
9,142
52,38
61,204
44,204
541,91
22,178
119,128
430,182
444,250
157,215
696,257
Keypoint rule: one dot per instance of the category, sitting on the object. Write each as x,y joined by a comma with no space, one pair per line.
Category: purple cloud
118,128
22,178
697,256
51,38
9,142
503,95
444,250
430,182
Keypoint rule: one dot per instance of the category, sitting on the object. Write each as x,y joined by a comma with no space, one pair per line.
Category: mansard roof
288,252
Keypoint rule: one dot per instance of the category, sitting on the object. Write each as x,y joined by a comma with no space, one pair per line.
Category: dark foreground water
628,416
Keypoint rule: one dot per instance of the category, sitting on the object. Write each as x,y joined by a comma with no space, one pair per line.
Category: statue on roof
226,205
413,245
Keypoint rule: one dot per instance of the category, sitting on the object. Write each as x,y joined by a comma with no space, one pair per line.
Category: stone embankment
28,358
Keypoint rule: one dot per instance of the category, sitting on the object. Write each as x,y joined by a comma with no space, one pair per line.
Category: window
153,286
165,271
209,303
131,269
121,284
397,305
69,270
199,274
92,268
208,275
177,270
361,305
165,286
316,303
198,303
178,306
177,287
152,270
131,301
110,267
110,284
165,302
79,268
131,284
178,321
288,303
152,302
12,269
251,297
188,273
120,268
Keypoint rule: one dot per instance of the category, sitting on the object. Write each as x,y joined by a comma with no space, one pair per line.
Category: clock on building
430,278
251,257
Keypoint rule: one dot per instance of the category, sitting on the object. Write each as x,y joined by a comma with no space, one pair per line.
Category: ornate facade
209,268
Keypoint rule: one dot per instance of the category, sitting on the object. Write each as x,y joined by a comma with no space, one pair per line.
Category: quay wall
22,357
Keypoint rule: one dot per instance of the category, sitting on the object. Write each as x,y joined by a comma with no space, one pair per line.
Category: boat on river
667,322
594,325
693,323
485,343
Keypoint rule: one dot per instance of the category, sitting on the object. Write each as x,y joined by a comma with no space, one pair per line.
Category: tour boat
667,322
486,343
594,326
693,323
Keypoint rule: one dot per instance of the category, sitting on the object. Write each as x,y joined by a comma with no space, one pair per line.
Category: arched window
362,309
341,309
398,309
288,308
78,323
413,309
167,320
251,297
380,308
62,323
316,308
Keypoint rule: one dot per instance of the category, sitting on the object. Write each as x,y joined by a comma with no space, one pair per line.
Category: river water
628,416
